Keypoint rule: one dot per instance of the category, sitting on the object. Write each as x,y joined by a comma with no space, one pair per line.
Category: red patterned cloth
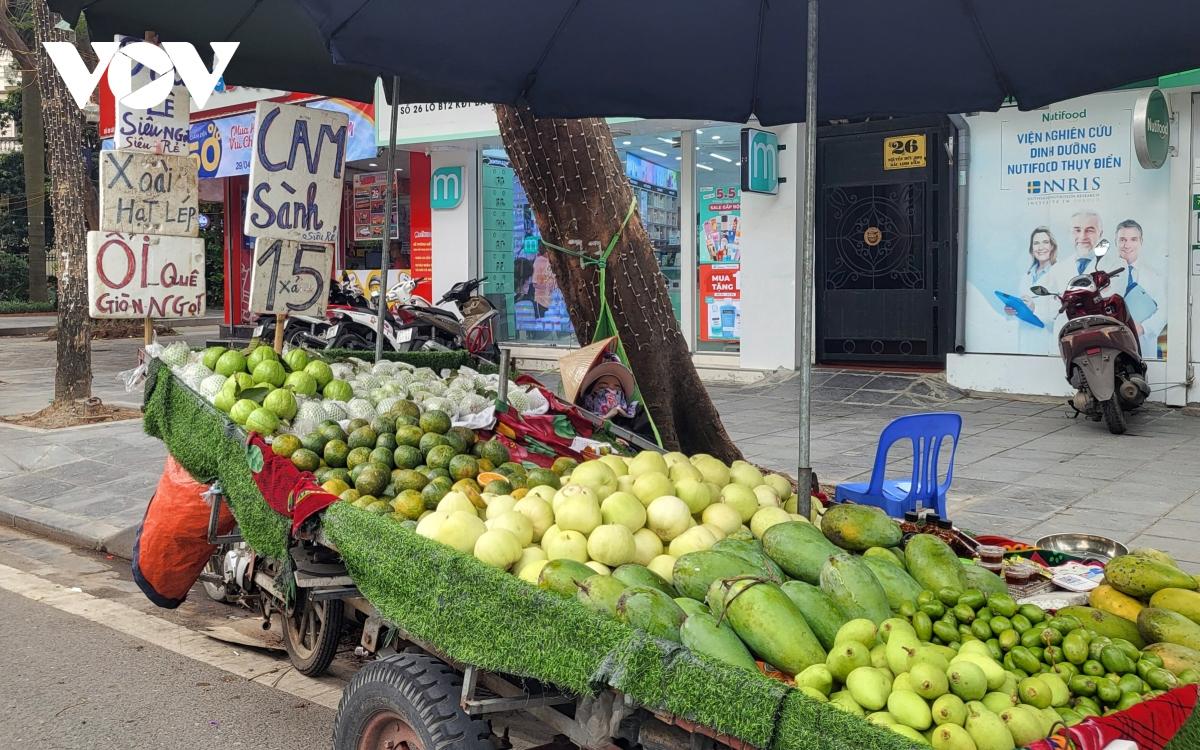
289,491
1150,724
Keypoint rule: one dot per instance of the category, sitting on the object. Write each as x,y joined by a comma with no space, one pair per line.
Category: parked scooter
1100,348
473,328
312,330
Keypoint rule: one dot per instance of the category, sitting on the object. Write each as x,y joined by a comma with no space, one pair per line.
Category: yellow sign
904,151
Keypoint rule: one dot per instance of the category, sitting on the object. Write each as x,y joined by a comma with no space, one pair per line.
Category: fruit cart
459,646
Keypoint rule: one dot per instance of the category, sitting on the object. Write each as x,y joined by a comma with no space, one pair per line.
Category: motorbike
1100,348
473,328
312,330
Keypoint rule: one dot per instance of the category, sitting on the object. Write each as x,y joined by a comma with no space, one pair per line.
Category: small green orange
305,460
285,445
357,456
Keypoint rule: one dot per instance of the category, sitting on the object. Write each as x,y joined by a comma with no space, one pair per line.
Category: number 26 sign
290,278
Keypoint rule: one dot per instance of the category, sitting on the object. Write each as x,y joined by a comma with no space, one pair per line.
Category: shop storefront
1045,187
686,178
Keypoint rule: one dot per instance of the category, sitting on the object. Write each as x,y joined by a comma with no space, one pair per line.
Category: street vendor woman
596,379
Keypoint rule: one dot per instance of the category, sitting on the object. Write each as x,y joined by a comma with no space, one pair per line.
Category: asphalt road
69,683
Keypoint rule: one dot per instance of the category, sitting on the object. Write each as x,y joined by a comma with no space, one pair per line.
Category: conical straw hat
574,366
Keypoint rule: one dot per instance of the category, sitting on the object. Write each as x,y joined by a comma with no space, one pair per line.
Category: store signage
140,275
1196,202
446,188
1151,129
760,161
296,165
720,302
148,193
904,151
290,277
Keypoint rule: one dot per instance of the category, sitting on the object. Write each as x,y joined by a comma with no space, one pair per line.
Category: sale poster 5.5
720,238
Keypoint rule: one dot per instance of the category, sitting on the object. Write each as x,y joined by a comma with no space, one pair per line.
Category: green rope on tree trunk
606,325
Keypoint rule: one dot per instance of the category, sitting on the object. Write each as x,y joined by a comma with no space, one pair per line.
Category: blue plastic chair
896,496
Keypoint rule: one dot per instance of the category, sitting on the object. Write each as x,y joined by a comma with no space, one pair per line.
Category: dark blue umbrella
729,59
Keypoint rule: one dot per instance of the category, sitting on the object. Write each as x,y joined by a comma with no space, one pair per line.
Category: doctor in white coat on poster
1141,287
1043,256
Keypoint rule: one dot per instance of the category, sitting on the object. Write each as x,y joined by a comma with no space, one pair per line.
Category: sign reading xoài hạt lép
296,166
149,193
141,275
290,278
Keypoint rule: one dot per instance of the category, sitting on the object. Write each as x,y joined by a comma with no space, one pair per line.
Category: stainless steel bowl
1083,545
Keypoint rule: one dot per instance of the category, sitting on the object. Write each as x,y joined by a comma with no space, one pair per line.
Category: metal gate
885,253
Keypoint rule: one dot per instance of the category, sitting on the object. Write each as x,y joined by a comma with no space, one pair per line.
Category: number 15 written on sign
290,277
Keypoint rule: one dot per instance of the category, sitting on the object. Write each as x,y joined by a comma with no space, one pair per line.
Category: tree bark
69,189
578,191
33,149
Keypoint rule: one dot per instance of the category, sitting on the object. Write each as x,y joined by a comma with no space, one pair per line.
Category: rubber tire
1114,416
215,591
327,640
419,688
352,341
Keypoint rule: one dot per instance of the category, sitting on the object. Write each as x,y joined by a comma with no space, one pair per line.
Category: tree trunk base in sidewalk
74,414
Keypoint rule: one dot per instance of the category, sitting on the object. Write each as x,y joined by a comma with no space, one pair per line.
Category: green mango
978,577
752,552
799,548
701,633
1141,577
1159,625
771,626
886,554
691,606
934,565
989,732
820,611
898,586
600,593
859,527
632,574
1105,624
694,572
563,576
651,610
852,585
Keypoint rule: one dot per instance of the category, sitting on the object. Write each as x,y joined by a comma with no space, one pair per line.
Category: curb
43,328
51,524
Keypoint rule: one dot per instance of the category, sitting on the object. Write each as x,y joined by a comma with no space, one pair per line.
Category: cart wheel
407,702
218,592
311,629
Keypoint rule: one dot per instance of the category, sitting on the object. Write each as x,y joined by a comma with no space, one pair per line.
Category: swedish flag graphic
1033,186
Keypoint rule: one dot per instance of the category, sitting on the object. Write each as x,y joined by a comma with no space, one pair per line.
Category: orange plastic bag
172,544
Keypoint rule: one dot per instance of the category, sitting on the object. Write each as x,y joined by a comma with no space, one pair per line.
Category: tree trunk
33,149
578,191
69,189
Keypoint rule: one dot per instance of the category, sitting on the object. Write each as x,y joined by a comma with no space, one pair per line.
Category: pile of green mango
908,638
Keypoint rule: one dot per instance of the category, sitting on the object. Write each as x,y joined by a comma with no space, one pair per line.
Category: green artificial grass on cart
476,614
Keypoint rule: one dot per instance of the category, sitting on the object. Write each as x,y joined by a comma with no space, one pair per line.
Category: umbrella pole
385,243
805,271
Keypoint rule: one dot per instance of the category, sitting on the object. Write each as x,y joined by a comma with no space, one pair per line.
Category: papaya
1176,659
600,593
563,576
701,633
933,564
1186,603
1105,624
1107,599
1162,625
885,554
859,527
799,548
694,572
821,612
1141,576
751,551
979,577
898,586
770,625
898,551
651,610
854,588
632,574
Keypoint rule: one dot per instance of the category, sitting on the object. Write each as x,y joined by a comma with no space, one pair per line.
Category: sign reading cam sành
140,275
148,193
290,278
296,166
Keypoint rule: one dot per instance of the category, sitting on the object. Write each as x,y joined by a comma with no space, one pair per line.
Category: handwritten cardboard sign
296,166
290,277
148,193
141,275
162,129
